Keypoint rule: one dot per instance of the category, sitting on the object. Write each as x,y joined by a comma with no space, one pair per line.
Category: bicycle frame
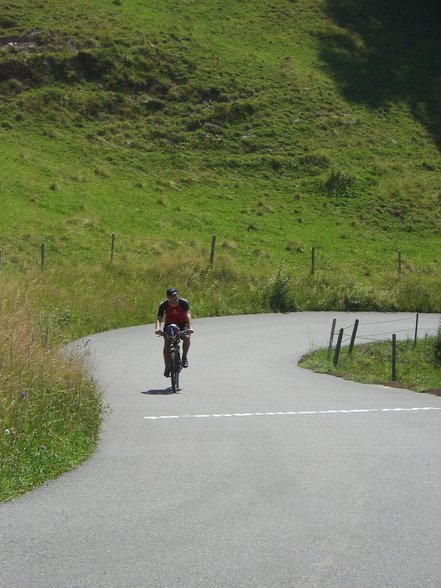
174,336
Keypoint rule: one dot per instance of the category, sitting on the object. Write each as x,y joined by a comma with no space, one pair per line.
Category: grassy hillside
169,122
276,126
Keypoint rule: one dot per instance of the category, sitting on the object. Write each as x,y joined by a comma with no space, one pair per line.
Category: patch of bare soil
28,42
436,391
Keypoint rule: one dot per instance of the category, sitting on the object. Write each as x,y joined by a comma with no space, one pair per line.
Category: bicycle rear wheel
175,367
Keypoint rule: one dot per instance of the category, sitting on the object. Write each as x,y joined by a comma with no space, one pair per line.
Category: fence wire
381,336
343,337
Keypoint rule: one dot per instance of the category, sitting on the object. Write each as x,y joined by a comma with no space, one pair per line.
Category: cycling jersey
174,314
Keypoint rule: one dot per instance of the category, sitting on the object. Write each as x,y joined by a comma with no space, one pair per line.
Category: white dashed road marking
289,413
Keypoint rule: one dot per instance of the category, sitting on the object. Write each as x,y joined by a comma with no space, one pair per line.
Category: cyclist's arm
189,323
158,324
159,317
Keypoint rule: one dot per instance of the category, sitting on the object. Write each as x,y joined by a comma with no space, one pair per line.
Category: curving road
258,473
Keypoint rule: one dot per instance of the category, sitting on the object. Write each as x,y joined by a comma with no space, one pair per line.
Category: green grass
49,407
274,126
418,366
244,148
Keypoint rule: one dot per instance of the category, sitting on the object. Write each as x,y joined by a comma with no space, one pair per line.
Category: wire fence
42,254
411,327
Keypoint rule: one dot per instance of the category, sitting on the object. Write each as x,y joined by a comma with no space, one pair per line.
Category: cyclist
176,311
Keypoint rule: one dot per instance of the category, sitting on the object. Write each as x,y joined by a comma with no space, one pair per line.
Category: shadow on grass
386,51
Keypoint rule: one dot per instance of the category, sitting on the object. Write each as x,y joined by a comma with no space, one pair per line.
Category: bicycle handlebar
186,332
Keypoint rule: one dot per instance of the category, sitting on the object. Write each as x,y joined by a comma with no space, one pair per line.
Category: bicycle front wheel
175,367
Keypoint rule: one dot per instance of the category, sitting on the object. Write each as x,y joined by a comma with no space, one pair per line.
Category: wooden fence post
112,251
338,347
331,336
213,247
354,334
394,358
416,330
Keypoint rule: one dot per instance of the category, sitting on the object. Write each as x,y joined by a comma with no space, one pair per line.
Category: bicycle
174,335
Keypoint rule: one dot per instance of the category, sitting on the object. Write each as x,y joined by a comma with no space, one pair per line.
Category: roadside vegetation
418,365
277,127
48,403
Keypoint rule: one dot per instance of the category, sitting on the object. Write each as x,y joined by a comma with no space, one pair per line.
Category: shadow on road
158,391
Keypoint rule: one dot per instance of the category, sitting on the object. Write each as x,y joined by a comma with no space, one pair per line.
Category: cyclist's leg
185,345
166,354
166,350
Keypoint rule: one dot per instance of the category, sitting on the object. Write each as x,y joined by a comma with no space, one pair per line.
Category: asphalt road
258,473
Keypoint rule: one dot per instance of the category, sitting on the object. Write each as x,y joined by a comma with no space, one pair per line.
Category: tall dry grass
50,409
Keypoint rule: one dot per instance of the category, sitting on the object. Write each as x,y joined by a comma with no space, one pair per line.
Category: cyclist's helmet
173,333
